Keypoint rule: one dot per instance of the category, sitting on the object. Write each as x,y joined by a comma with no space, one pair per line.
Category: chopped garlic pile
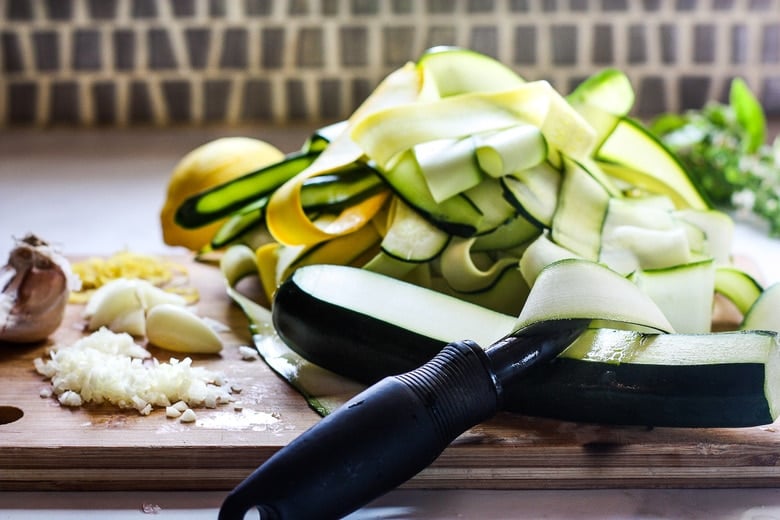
106,367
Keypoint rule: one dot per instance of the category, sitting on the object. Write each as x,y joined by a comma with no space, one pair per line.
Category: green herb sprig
725,150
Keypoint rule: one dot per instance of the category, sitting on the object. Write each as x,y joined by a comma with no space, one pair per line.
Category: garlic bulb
35,285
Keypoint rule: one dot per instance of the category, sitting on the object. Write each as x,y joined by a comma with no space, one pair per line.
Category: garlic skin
35,283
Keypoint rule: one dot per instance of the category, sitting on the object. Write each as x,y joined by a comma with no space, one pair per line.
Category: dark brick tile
87,49
177,95
295,91
484,39
685,5
614,5
183,8
525,40
651,96
353,46
440,6
329,7
160,50
441,35
480,6
258,7
330,99
770,43
22,99
272,47
197,41
257,101
361,89
18,10
46,49
519,5
102,9
402,6
740,44
637,44
104,102
310,47
564,44
124,49
694,91
770,97
217,8
216,94
141,110
603,45
144,8
364,7
397,45
668,43
704,43
64,102
11,52
234,49
59,9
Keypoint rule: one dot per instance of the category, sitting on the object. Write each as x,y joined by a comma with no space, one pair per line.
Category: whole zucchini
366,326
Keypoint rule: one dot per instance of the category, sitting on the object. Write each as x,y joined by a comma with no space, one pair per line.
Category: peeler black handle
374,442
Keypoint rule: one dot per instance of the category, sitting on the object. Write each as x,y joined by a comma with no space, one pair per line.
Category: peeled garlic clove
121,305
35,285
173,327
152,296
117,306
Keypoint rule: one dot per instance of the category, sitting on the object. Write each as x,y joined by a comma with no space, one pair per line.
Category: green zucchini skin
355,345
692,396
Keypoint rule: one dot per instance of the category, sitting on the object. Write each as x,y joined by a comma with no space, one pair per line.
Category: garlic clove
173,327
117,306
34,288
122,304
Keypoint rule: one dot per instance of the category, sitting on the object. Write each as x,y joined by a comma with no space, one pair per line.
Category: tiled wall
174,62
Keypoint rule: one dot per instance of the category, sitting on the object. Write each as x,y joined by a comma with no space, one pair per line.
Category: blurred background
236,62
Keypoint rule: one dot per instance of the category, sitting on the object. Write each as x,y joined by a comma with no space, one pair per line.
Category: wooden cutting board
103,448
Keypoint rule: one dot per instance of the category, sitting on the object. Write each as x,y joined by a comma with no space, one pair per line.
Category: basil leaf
749,114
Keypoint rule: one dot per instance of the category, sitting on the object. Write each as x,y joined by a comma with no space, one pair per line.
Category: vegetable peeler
394,429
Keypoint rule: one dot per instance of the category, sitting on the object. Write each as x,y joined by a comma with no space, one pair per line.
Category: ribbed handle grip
373,443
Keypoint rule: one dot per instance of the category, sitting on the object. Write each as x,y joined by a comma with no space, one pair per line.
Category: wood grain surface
104,448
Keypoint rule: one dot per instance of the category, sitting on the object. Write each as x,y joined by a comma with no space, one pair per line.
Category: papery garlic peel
36,283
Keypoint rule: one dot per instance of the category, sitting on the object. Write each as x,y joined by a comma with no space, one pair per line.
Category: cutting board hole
9,414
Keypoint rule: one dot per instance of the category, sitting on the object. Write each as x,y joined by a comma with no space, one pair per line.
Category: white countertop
97,192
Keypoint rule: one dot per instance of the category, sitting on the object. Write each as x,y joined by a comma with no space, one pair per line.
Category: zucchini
411,238
517,232
683,292
580,213
222,200
632,146
448,166
456,215
510,150
450,71
330,192
334,191
243,221
739,287
719,380
534,192
366,326
603,99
